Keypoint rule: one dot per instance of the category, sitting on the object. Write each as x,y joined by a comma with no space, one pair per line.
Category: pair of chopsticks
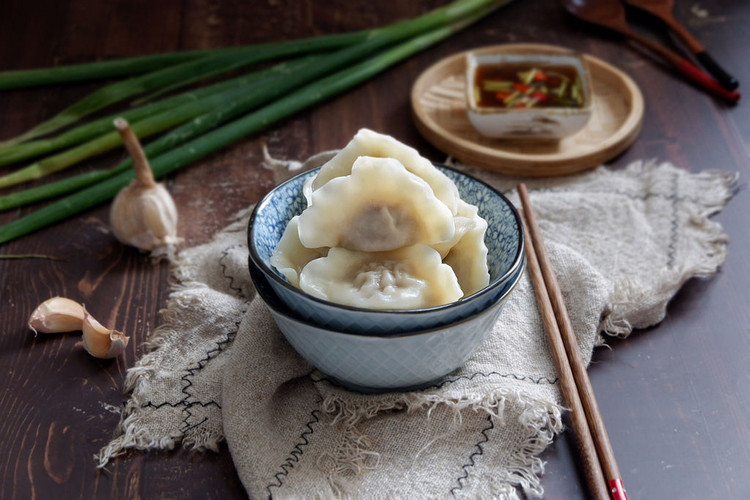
597,457
611,14
663,10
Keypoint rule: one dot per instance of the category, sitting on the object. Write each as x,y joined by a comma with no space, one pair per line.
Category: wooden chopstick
577,391
592,469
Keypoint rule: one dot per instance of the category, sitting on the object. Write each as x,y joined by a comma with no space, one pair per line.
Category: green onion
226,102
509,100
496,85
285,77
527,76
186,72
58,188
253,95
26,78
104,125
441,22
127,66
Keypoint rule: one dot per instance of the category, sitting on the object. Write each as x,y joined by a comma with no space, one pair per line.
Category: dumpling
379,206
468,253
290,256
369,143
408,278
307,189
463,225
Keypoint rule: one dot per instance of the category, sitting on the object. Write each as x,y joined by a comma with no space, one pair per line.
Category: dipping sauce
525,86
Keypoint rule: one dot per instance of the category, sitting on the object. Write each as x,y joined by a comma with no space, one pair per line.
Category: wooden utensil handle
540,267
725,79
588,457
692,43
694,73
687,68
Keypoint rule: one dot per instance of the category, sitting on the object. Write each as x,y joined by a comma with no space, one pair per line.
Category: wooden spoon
662,9
611,14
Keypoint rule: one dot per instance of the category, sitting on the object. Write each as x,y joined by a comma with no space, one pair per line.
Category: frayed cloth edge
719,187
134,436
543,420
130,433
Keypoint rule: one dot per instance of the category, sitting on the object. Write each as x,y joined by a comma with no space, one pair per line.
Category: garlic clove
101,342
57,315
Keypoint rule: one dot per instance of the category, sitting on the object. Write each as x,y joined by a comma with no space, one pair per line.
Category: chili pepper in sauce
502,95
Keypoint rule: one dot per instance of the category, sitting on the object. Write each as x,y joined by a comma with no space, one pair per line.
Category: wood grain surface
675,398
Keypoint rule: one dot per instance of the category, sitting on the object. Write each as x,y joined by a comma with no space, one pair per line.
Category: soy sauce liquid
558,85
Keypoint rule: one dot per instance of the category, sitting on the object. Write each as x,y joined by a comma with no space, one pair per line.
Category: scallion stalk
130,66
39,77
58,188
240,99
228,104
454,17
101,126
451,18
184,73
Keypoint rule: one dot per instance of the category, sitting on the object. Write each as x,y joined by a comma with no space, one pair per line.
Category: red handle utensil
662,9
611,14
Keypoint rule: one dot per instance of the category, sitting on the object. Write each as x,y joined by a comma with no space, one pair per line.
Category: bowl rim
277,306
267,271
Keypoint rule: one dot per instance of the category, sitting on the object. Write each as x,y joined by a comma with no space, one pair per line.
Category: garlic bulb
143,214
57,315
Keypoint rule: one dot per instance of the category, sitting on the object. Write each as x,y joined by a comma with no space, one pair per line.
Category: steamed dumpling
379,206
290,256
307,189
369,143
408,278
468,253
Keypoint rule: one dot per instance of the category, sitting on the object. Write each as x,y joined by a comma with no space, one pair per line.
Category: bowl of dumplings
382,269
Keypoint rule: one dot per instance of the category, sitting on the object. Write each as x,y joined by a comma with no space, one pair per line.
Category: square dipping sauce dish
528,96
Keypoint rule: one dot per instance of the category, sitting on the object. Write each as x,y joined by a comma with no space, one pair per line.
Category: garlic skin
101,342
144,216
57,315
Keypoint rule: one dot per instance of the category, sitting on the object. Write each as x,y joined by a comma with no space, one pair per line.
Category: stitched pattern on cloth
461,480
224,270
191,372
320,377
296,453
525,378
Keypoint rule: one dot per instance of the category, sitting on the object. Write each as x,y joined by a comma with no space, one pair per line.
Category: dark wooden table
675,398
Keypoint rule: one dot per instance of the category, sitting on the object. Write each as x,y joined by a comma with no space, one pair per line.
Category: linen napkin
622,243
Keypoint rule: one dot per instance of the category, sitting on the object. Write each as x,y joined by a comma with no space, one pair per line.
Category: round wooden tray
439,107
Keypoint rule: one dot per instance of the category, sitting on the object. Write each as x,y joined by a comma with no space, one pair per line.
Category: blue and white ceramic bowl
369,363
504,240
